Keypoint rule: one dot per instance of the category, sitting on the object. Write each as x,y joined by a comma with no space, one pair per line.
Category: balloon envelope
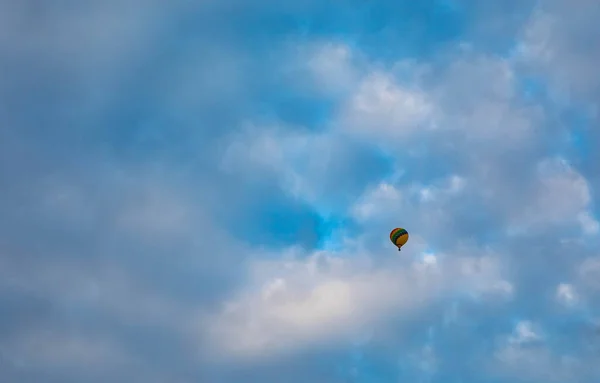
399,236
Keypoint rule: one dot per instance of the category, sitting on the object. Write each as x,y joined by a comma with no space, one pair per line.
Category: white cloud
313,299
474,107
306,302
327,68
473,101
525,332
333,65
383,109
295,303
378,106
440,191
566,294
385,199
375,203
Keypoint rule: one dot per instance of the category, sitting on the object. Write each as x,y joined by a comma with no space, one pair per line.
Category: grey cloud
83,253
560,41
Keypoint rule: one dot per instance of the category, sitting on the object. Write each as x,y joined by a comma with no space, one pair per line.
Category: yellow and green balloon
399,237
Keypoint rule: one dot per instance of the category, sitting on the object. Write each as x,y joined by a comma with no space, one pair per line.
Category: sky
202,191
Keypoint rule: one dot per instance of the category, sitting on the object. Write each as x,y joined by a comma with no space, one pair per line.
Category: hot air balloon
399,237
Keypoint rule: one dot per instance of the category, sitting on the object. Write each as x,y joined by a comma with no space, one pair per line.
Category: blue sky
203,191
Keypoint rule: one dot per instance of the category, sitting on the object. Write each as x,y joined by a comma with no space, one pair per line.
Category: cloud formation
204,191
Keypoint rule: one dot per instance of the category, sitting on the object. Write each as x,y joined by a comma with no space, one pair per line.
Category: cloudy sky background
203,191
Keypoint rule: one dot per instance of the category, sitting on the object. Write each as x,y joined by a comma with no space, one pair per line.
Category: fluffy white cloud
525,332
474,109
469,102
474,105
383,110
469,111
472,101
91,256
295,303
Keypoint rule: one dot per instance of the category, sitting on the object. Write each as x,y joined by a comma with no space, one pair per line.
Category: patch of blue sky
334,231
532,88
369,364
397,30
576,135
420,161
281,222
296,109
386,30
286,224
581,131
143,135
344,173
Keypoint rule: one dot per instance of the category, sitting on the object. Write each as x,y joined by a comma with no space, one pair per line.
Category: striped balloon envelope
399,237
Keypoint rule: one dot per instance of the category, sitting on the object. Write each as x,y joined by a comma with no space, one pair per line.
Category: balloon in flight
399,237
